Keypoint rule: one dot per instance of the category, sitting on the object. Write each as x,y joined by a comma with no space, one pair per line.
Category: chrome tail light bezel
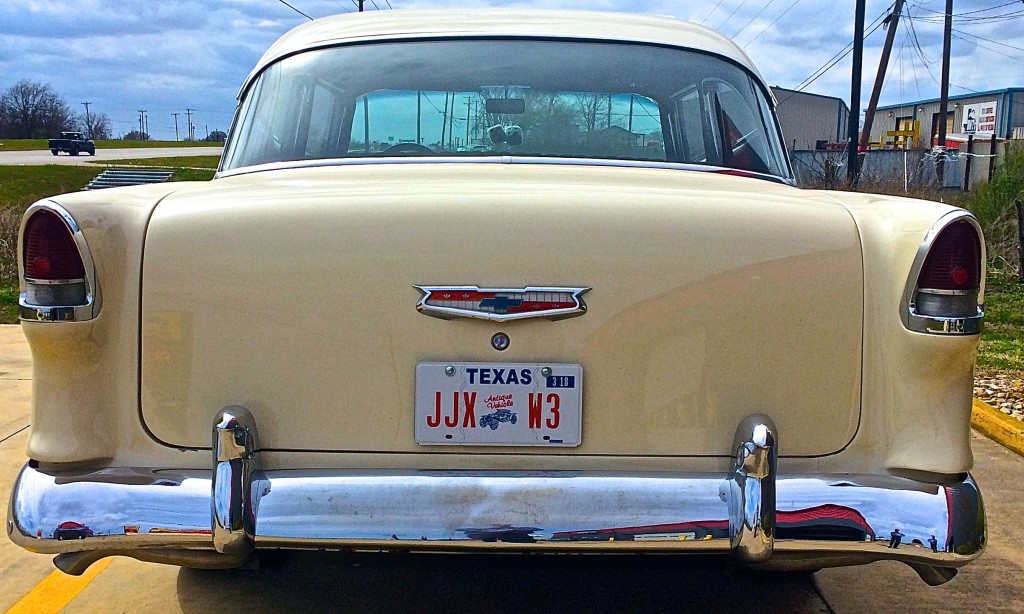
89,307
919,322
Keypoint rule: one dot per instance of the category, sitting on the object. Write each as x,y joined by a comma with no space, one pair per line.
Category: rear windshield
468,98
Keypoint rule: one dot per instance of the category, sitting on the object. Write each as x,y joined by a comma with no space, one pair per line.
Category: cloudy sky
167,56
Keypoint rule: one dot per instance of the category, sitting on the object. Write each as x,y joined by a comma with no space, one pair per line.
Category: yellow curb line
56,591
997,426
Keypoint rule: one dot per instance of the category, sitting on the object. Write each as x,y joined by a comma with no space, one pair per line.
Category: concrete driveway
332,582
36,158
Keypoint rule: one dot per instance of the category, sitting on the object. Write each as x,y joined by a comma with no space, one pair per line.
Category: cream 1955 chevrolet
525,281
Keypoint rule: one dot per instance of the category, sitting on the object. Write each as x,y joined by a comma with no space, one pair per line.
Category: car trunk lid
292,292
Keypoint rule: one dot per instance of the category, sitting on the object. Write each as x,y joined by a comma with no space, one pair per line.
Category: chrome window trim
502,159
55,282
937,325
59,313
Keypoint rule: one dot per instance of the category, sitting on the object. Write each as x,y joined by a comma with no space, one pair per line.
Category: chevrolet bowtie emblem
501,304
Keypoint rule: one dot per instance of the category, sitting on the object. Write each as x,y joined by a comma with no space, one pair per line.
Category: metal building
812,121
981,114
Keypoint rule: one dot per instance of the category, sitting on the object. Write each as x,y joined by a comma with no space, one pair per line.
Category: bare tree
95,125
587,106
33,110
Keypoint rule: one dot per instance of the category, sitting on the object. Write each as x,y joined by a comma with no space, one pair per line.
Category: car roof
441,23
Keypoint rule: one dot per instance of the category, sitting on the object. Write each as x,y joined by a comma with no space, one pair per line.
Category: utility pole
469,106
142,125
419,116
175,125
940,169
366,124
444,120
632,144
854,120
188,128
883,65
88,123
145,123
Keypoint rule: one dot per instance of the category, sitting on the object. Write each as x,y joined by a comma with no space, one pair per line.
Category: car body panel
301,293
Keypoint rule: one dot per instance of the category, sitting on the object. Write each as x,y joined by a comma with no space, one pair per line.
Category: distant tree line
32,110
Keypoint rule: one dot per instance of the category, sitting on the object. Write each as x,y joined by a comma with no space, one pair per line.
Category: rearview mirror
506,106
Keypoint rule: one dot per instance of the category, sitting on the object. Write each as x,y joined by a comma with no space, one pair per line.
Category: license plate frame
498,404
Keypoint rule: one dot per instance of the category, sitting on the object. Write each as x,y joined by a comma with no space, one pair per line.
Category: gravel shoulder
1003,390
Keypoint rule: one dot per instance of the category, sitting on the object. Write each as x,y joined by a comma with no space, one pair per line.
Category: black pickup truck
73,143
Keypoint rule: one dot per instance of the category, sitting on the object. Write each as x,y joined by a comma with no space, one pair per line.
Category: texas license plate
498,404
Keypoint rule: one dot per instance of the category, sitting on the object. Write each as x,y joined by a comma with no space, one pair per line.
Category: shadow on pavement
332,582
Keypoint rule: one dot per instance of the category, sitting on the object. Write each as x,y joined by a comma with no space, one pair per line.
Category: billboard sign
979,119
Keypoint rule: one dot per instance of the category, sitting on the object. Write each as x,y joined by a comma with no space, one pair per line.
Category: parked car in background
580,306
71,530
72,143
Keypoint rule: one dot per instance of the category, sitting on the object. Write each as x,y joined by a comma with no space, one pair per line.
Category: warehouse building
982,114
812,121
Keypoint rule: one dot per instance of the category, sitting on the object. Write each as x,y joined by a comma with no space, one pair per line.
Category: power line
726,20
1005,55
927,62
753,19
975,20
838,57
987,40
767,27
295,9
708,16
991,8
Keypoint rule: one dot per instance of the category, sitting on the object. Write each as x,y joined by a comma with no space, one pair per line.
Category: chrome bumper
216,518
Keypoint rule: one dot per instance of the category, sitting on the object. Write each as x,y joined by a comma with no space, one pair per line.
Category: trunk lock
500,341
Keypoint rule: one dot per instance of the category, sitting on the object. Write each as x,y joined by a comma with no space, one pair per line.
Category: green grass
20,186
40,144
1002,342
8,302
192,174
175,162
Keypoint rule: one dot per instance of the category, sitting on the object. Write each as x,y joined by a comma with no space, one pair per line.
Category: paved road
15,158
442,583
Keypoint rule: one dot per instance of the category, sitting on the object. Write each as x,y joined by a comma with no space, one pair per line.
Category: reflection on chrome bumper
786,521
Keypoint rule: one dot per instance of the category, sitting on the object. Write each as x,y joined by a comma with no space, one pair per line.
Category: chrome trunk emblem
501,304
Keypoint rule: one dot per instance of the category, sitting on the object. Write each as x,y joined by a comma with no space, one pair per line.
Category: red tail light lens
954,261
950,279
49,250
